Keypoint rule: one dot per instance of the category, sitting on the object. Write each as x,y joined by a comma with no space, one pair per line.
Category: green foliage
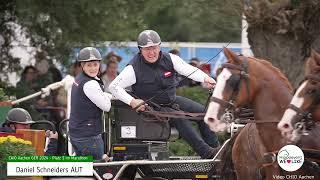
180,148
57,26
3,96
196,93
195,21
295,3
12,146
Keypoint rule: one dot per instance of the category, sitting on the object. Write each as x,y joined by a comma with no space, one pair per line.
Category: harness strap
312,154
298,110
221,102
312,77
165,116
246,121
232,66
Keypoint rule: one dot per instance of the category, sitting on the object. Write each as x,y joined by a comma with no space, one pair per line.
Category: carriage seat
133,126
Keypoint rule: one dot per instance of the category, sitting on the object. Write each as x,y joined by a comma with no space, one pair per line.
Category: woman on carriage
88,101
152,74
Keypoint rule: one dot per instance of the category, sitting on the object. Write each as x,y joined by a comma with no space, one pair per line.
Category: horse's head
232,90
304,106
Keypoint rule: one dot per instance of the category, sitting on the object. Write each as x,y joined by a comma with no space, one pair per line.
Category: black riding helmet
148,38
19,115
89,54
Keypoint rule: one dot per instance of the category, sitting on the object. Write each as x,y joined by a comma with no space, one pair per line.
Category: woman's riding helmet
89,54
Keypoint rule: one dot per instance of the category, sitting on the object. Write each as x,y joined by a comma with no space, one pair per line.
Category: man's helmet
19,115
148,38
89,54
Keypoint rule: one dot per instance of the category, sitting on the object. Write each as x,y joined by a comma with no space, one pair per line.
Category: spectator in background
195,62
55,73
46,105
175,51
112,56
27,86
44,77
110,73
75,69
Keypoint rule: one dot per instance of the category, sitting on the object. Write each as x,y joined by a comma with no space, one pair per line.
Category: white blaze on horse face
285,124
214,107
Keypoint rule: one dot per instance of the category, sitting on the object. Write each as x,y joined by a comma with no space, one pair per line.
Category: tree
7,35
55,27
284,31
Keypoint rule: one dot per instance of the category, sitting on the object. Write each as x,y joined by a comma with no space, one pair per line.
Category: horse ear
315,56
231,56
312,65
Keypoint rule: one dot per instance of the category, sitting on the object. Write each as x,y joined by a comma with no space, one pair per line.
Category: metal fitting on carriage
234,128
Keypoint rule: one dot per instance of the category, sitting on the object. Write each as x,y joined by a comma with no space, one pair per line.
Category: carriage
133,141
140,144
139,147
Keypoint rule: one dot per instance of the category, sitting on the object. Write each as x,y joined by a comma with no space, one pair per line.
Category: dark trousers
201,143
88,146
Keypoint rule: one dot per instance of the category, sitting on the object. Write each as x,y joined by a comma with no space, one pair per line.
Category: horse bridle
305,122
230,107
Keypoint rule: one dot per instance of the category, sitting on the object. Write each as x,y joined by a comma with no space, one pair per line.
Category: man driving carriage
152,75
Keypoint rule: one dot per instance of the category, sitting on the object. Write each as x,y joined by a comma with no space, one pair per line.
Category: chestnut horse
303,114
255,83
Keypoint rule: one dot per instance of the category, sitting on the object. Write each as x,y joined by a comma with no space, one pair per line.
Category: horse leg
245,164
272,172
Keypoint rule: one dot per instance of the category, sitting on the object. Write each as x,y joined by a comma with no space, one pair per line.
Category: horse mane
277,71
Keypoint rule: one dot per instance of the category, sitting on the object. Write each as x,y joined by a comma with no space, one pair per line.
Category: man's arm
191,72
125,79
186,69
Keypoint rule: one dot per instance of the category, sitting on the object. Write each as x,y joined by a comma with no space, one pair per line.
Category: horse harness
230,109
305,122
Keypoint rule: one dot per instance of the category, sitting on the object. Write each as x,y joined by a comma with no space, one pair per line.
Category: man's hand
136,102
209,82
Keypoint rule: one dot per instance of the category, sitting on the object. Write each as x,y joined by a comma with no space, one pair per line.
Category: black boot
211,153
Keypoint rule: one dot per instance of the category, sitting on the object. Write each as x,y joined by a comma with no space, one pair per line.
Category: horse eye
313,83
310,91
